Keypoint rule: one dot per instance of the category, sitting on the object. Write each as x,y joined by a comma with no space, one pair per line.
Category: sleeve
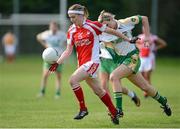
101,26
44,35
70,38
98,27
132,20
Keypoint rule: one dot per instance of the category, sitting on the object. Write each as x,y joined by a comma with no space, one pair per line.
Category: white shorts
10,49
147,63
91,68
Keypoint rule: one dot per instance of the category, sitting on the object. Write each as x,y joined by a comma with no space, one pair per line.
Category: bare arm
145,24
41,41
160,43
65,54
116,33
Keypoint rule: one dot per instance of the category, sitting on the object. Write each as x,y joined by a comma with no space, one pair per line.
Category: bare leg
75,79
103,95
125,90
147,76
95,86
58,84
104,80
119,73
140,82
115,77
45,76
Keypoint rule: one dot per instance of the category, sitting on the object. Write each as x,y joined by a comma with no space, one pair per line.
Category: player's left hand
53,67
146,44
134,39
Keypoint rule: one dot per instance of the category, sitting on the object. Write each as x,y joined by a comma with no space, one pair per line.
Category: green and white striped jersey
125,26
54,40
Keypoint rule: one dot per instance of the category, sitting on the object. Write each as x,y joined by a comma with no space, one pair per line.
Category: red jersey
146,51
86,40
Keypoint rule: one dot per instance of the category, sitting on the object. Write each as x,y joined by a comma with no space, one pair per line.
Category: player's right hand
134,39
53,67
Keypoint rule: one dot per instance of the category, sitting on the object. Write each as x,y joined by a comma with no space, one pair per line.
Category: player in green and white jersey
55,38
107,65
127,57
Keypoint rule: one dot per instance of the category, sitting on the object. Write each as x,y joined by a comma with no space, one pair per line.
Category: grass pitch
19,107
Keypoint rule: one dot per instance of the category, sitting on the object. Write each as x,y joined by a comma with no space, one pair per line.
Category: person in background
147,55
9,41
55,38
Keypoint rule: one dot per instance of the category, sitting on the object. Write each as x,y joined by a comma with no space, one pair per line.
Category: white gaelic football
50,55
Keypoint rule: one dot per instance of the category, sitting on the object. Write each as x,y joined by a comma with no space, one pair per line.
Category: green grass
19,107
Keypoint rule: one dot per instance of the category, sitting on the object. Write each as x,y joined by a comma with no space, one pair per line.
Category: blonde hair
78,7
105,16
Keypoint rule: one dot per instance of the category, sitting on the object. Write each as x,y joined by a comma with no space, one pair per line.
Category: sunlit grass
19,107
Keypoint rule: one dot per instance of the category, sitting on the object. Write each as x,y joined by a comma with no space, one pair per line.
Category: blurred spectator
9,42
147,54
55,38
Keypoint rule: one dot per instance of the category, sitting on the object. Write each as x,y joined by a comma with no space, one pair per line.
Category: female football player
56,39
10,43
107,65
127,57
83,34
147,54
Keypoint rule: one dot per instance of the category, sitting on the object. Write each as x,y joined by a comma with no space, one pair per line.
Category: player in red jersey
147,55
83,34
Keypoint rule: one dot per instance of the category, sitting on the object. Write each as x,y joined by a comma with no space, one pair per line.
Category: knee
45,75
73,81
113,77
103,84
99,92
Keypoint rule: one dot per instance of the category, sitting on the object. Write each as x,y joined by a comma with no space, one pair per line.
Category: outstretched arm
160,43
64,56
41,41
145,26
120,35
116,33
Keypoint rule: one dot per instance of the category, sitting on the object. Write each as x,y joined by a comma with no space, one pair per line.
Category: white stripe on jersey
100,29
96,47
124,47
121,47
105,54
71,31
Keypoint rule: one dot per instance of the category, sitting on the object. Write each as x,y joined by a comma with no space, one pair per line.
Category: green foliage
40,6
168,14
6,6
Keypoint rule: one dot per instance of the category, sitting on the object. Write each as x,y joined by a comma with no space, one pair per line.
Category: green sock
162,100
43,90
118,99
58,92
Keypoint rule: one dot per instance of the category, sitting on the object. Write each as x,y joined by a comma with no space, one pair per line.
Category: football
50,55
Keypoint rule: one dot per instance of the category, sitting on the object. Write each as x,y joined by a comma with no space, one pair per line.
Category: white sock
131,94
